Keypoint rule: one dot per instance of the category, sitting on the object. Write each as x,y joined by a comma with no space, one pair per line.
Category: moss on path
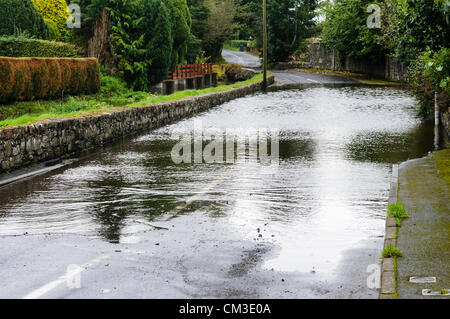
424,189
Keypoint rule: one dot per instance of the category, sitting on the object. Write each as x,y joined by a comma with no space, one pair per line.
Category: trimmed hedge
21,16
26,79
24,47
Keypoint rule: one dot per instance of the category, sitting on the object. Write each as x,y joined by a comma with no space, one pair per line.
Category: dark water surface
337,147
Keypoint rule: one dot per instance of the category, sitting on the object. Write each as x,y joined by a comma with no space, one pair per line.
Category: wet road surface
253,62
140,226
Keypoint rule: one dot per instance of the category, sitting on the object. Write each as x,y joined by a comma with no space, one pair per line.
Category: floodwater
329,193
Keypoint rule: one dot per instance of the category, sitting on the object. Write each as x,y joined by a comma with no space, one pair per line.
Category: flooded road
310,230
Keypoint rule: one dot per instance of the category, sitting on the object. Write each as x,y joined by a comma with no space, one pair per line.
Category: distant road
250,61
243,58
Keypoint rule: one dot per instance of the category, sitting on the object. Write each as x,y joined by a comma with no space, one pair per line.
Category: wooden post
265,44
436,121
436,109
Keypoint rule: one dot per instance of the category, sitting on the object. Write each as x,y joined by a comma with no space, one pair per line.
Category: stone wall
58,138
389,69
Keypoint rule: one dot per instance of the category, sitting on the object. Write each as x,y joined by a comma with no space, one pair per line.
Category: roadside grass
398,212
443,291
391,251
113,95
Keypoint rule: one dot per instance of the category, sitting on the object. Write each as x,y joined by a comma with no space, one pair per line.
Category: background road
250,61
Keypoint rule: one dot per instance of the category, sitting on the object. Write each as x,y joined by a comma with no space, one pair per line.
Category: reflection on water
330,192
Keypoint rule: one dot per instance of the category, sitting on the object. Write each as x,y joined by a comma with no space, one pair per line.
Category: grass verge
113,95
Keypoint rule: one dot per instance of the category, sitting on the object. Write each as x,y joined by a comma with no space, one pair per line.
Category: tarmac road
250,61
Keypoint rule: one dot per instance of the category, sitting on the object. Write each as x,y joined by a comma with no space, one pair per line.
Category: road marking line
202,192
313,81
55,283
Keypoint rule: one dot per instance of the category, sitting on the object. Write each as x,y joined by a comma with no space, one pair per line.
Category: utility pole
265,44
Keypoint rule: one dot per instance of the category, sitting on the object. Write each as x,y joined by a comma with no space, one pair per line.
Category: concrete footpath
424,189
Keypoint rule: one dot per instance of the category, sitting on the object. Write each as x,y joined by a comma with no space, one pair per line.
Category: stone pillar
168,87
190,84
199,82
214,79
207,79
156,89
181,85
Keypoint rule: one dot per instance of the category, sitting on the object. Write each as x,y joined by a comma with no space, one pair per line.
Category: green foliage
436,68
220,25
25,47
53,32
56,11
111,85
141,37
391,251
286,28
397,211
21,15
430,73
159,41
417,26
181,22
345,29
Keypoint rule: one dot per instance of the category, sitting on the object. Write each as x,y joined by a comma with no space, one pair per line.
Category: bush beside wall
26,79
24,47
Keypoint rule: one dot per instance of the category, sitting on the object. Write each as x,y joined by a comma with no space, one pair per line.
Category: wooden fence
186,71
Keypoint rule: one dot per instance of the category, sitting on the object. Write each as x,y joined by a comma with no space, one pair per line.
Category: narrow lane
309,231
250,61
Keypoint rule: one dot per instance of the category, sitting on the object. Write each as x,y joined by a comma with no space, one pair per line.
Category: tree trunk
99,45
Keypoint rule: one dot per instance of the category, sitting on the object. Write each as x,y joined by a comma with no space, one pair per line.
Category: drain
430,292
422,280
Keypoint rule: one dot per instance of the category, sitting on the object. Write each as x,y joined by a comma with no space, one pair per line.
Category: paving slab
424,189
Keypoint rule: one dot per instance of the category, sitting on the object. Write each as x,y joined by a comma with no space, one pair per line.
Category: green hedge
24,47
21,16
26,79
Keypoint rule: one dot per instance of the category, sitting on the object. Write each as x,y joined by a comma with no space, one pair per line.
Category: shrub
430,73
56,11
21,15
181,21
23,47
53,32
39,78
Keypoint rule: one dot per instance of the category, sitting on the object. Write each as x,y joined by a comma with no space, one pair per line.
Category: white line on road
64,278
313,81
204,191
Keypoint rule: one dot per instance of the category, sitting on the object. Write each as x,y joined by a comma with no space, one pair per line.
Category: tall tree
289,23
346,30
220,24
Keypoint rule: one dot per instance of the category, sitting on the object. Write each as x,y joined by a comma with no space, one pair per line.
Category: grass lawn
113,95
